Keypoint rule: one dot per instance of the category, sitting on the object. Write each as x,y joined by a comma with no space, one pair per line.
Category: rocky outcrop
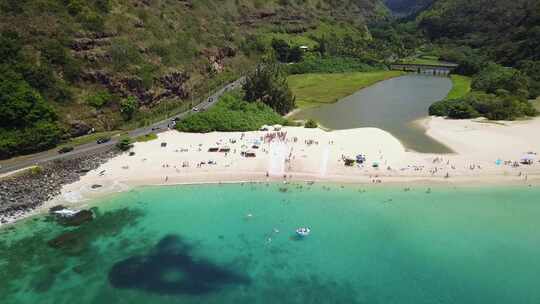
216,57
124,86
172,85
23,193
79,128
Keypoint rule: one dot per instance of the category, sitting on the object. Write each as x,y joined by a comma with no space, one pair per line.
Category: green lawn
315,89
461,85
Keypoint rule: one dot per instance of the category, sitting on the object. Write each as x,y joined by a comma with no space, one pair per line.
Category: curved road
50,155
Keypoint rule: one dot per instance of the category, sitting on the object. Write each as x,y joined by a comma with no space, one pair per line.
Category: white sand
477,146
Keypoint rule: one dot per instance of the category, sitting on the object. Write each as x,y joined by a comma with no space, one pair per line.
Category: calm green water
195,244
391,105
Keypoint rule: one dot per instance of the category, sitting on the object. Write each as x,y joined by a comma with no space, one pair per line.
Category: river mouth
394,105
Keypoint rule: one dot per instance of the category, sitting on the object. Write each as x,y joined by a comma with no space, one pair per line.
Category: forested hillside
507,31
67,66
497,42
402,8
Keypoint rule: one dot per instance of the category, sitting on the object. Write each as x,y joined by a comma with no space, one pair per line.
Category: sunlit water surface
236,244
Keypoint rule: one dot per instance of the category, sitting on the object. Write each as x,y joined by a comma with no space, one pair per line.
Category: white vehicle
195,109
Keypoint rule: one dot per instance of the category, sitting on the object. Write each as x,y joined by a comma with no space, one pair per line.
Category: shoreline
315,155
361,181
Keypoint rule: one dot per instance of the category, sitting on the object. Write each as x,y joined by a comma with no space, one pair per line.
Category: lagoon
392,105
236,244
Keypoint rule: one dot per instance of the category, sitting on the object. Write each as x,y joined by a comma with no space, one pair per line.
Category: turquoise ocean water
236,244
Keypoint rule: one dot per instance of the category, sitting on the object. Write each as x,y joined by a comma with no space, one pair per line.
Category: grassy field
315,89
461,85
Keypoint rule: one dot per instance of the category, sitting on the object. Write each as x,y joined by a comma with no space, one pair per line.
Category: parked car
65,149
195,109
103,140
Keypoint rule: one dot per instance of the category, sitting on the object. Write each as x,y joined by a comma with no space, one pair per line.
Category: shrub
311,124
124,144
231,114
99,99
128,107
495,107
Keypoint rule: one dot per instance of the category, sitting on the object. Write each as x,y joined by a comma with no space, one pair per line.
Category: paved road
43,157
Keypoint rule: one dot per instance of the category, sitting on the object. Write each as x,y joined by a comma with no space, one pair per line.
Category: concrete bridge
442,69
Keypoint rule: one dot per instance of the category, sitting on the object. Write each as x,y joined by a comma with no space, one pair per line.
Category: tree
494,77
282,49
268,84
128,107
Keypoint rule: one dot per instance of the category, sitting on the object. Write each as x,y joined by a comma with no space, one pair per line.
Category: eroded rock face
216,57
172,85
79,128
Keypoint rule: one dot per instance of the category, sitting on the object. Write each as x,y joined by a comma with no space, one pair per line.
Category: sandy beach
485,153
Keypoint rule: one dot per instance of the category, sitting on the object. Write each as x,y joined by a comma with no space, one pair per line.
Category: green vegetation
99,99
314,89
311,124
491,106
461,86
124,144
505,31
268,84
285,52
317,64
146,138
231,113
128,107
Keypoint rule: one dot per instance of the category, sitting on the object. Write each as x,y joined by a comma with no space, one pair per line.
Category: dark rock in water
78,219
68,239
78,269
96,186
171,268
